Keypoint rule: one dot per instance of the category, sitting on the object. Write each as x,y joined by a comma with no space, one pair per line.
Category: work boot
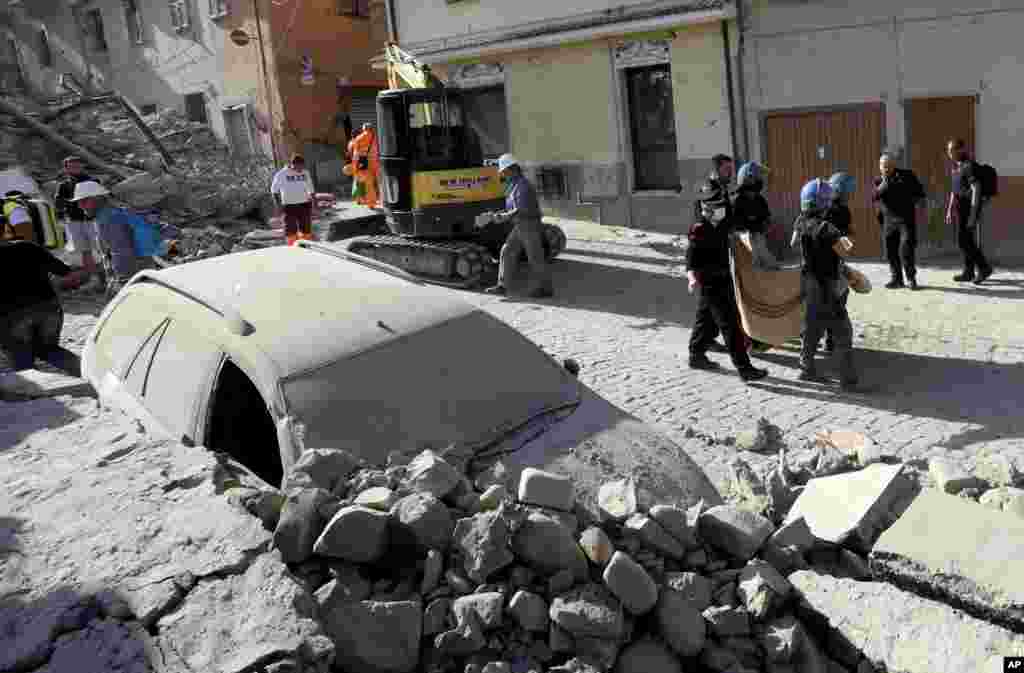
965,277
702,362
983,275
894,284
912,283
752,373
716,347
811,376
498,289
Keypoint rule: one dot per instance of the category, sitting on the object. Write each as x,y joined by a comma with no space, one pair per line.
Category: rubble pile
206,180
422,566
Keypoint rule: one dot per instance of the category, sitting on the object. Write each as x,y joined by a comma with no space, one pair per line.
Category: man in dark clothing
898,192
968,207
821,244
31,317
839,215
76,223
718,179
707,263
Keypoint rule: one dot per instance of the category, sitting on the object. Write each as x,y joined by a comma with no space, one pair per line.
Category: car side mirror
571,366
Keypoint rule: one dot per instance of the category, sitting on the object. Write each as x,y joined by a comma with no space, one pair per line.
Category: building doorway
799,145
653,128
930,123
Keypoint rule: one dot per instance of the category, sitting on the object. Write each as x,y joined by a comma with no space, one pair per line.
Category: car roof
307,306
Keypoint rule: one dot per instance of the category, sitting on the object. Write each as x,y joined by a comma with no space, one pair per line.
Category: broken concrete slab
546,489
376,636
959,551
260,613
734,530
898,631
31,384
853,509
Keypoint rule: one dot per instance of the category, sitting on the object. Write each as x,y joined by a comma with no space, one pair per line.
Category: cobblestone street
941,367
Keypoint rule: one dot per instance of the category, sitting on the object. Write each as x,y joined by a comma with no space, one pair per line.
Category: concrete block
853,509
734,530
898,631
631,584
961,551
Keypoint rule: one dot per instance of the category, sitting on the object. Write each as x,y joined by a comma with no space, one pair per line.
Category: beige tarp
769,301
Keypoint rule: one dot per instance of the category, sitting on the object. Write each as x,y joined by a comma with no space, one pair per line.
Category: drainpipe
266,78
728,81
741,78
389,6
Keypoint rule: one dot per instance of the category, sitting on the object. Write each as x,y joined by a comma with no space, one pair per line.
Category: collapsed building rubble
205,184
420,566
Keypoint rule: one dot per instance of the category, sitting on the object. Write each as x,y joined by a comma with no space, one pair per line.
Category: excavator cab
433,181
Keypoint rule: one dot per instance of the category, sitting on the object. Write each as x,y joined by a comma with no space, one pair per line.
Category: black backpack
988,179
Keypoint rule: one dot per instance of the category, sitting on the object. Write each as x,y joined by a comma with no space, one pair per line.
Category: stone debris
405,568
951,476
545,489
1006,499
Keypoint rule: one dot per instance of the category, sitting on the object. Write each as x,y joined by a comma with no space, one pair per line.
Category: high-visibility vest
42,226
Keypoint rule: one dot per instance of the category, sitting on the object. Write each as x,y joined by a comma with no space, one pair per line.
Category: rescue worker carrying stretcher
753,213
822,246
707,264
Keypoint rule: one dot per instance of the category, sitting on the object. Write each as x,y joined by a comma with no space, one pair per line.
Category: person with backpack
974,185
898,192
126,240
822,247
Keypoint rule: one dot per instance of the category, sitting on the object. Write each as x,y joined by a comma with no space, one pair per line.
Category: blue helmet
842,183
750,173
816,195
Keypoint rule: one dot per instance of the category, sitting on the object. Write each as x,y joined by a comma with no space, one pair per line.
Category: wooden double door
800,145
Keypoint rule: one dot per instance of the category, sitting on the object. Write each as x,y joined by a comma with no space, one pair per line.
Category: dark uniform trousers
717,312
825,311
900,248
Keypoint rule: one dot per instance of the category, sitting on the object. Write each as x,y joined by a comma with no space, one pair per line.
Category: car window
461,381
179,376
125,330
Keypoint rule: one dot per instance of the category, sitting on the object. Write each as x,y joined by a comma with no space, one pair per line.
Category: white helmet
89,189
506,161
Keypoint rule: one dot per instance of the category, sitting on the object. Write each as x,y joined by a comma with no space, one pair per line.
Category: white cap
506,160
89,189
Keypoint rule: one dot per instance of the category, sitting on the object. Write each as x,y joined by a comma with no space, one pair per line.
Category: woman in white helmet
523,208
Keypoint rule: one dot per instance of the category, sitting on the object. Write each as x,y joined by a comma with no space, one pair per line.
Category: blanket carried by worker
769,300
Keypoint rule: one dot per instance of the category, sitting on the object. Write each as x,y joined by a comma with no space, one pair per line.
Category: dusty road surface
942,366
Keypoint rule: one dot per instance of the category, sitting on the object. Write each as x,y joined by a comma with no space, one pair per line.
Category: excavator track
456,264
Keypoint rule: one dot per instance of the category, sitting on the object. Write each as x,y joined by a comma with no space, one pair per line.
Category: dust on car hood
598,442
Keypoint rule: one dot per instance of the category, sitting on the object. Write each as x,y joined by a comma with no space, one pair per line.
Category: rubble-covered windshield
466,381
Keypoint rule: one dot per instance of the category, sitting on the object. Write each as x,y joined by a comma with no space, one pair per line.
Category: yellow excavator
434,183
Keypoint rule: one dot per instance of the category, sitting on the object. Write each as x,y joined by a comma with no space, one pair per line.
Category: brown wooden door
930,124
802,145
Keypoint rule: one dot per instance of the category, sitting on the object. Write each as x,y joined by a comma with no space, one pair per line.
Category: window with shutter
218,8
132,21
180,19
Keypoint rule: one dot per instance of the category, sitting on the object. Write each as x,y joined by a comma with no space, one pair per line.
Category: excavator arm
406,72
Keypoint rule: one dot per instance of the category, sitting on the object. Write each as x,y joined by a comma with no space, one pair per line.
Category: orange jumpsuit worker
366,166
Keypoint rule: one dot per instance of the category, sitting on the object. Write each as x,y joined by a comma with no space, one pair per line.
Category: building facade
268,76
313,56
615,113
158,53
830,84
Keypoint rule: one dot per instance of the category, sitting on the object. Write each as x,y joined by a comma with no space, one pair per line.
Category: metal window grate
551,182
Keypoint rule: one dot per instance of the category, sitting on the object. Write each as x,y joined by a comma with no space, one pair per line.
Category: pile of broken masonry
418,567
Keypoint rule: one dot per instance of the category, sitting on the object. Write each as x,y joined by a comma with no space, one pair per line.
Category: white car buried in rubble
260,353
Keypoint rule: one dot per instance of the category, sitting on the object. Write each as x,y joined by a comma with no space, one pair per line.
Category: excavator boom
405,69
